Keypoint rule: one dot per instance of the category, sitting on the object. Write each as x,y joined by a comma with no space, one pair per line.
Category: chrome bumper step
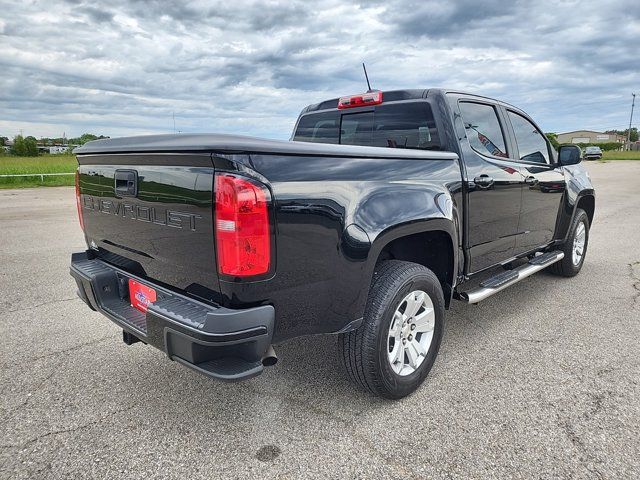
505,279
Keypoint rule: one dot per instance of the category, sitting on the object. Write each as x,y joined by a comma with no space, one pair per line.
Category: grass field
42,164
631,155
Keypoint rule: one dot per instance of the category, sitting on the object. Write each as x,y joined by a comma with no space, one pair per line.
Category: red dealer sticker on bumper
140,295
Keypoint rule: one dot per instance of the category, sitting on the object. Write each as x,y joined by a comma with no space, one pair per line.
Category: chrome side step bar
509,277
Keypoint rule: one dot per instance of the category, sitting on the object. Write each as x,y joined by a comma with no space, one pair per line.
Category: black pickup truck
382,209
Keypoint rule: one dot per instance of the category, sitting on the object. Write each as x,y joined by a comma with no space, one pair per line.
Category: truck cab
514,189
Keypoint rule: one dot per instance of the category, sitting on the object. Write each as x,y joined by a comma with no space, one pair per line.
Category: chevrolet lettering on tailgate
159,216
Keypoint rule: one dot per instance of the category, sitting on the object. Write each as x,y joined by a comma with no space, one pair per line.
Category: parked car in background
592,153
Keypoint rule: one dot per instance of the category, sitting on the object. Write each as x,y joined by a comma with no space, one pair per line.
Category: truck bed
319,194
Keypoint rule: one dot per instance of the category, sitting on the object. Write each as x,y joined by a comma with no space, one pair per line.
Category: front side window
532,145
483,129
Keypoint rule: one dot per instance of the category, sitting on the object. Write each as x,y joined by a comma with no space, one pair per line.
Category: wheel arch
587,202
404,242
584,199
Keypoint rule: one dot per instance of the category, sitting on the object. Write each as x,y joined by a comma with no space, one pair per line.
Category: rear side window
483,129
532,145
406,125
400,125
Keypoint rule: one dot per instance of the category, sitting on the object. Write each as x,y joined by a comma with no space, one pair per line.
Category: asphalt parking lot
539,381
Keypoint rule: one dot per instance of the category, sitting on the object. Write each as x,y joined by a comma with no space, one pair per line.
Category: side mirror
569,155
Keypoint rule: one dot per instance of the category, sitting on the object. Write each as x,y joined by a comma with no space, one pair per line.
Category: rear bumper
219,342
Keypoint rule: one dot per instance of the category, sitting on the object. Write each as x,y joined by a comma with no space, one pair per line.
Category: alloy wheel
410,333
578,243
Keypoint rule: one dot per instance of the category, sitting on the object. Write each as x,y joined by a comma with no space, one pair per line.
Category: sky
122,68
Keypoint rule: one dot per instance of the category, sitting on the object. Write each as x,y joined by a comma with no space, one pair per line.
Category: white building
59,149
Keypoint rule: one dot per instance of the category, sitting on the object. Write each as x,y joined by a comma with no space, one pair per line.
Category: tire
365,351
567,266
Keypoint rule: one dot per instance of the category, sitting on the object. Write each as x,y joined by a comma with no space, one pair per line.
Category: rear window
400,125
319,128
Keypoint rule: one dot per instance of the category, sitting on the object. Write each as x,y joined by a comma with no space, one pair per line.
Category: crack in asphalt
596,400
70,349
550,339
40,386
636,281
68,430
31,307
31,394
364,441
349,426
598,403
577,442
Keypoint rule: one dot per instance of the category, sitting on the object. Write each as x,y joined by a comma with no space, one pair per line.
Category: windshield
399,125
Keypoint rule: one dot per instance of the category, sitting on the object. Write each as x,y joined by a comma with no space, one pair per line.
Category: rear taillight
360,100
78,201
243,241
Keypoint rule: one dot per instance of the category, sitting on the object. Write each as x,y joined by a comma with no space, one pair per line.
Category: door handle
531,180
126,183
483,181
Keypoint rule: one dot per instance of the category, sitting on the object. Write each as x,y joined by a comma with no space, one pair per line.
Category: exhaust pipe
269,359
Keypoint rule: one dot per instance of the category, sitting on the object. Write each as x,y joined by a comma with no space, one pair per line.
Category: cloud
437,19
97,15
127,67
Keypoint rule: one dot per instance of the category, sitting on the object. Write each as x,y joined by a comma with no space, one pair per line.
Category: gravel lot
539,381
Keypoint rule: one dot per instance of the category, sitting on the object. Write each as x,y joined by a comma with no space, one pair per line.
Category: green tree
553,139
84,138
18,147
24,147
3,141
31,145
623,133
87,137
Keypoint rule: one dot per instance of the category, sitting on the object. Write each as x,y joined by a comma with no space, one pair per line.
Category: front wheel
393,350
575,247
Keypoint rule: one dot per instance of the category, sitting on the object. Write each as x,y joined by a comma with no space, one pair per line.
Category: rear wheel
575,247
395,347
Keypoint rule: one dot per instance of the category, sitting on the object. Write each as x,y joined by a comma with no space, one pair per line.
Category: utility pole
630,121
174,122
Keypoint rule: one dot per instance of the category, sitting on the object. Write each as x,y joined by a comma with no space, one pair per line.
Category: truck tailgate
151,214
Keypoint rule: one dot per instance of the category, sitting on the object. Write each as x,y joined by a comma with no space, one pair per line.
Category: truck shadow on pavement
309,377
309,370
